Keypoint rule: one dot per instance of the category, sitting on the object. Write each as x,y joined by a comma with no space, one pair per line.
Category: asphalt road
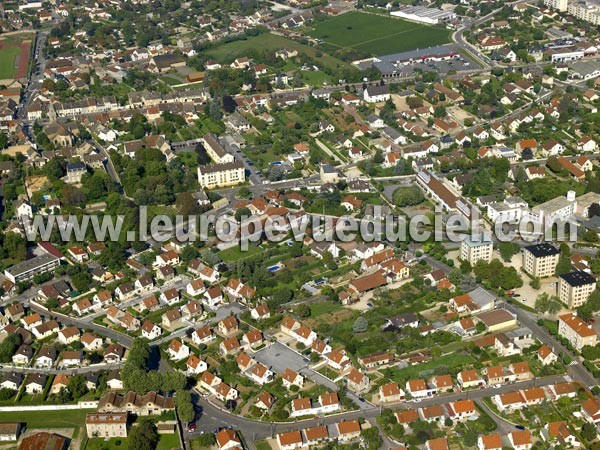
115,336
211,417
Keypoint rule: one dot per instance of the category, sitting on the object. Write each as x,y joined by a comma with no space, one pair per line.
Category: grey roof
481,297
31,264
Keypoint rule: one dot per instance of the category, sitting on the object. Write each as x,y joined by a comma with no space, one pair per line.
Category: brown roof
44,441
267,399
577,325
316,433
348,427
521,437
432,411
301,404
368,282
225,436
491,441
291,437
407,416
496,317
330,398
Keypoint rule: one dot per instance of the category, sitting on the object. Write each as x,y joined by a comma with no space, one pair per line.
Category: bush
408,196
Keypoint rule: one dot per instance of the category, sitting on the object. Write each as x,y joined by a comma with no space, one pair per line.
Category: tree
372,438
8,347
545,303
535,284
229,104
508,249
186,203
15,245
360,325
303,310
588,431
440,111
3,140
408,196
201,156
143,436
242,212
77,386
282,295
205,440
594,210
465,267
563,266
184,405
244,192
527,154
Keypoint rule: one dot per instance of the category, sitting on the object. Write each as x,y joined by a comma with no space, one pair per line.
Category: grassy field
166,442
234,253
266,41
8,54
46,419
378,35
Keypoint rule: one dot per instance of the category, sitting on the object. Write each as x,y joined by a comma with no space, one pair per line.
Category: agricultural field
377,35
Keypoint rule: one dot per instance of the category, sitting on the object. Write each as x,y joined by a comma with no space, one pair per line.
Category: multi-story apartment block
476,250
588,11
219,175
576,331
574,288
540,260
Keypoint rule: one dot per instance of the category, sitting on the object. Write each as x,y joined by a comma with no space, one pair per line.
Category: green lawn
69,418
101,444
235,253
266,41
378,35
8,55
315,77
171,81
262,445
322,308
166,442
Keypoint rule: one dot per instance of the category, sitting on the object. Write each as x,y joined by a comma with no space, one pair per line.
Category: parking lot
279,357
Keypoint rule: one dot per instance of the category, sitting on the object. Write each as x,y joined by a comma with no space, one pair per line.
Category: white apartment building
220,175
575,288
540,260
476,250
576,331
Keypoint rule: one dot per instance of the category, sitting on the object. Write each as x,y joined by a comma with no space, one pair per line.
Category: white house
177,350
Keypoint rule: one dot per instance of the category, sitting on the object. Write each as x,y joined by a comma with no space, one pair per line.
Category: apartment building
588,11
220,175
574,288
476,250
106,425
559,5
540,260
215,150
576,331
